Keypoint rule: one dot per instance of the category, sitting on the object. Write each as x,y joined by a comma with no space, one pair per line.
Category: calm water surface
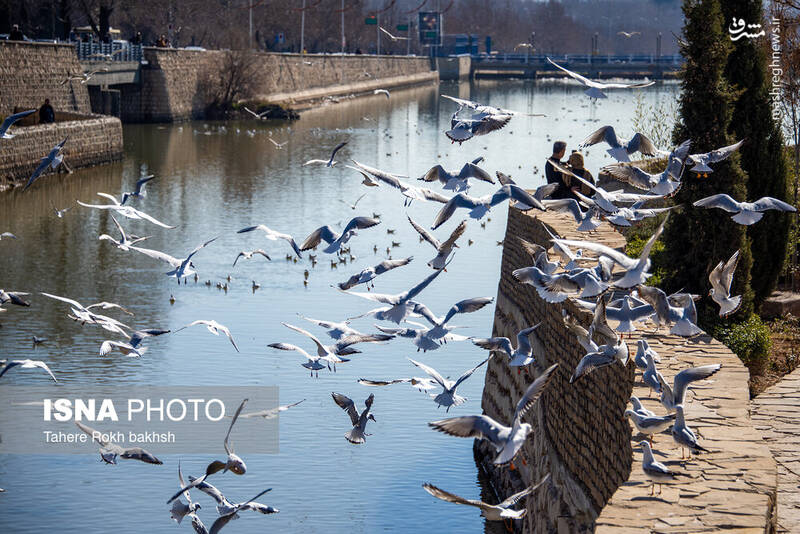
213,179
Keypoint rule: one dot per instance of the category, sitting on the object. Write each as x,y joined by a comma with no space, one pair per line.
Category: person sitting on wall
16,34
555,177
576,166
46,113
162,41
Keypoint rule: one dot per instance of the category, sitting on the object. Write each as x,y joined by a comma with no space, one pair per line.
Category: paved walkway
776,414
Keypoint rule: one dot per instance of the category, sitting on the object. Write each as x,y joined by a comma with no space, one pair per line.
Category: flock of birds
615,281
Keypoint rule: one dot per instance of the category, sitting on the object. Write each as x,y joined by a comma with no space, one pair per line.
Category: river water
213,179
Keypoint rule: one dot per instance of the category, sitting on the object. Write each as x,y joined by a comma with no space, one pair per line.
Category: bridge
593,66
113,63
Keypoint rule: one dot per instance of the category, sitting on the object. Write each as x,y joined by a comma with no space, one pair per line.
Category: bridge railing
649,59
114,51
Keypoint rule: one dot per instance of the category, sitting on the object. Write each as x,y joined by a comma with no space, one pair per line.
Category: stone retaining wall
172,83
94,140
581,438
31,72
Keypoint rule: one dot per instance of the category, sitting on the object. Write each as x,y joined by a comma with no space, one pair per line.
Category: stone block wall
94,140
582,440
31,72
172,81
579,436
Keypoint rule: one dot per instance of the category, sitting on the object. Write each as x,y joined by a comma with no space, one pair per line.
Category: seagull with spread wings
125,241
700,161
666,182
357,434
745,213
248,254
410,192
482,119
369,274
480,206
25,364
10,120
228,510
329,162
595,89
458,180
214,327
448,396
621,149
181,267
672,397
272,235
53,159
84,314
334,239
126,211
443,249
524,353
721,279
138,191
109,451
506,440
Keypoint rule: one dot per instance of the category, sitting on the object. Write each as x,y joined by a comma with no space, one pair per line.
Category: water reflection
213,179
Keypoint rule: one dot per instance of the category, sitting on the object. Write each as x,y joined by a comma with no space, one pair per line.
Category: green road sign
402,27
371,21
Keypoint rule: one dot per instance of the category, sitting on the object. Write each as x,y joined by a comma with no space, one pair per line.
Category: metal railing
115,51
565,60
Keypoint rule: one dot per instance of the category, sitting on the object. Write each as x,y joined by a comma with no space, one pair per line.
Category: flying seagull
443,249
124,242
523,354
180,509
330,162
85,315
356,435
227,510
409,191
139,191
458,180
181,267
14,297
52,159
628,35
7,235
370,273
214,327
595,89
480,206
666,182
25,364
400,303
331,353
272,413
621,149
482,119
272,235
354,204
59,212
440,328
334,239
109,452
249,255
448,396
382,92
700,161
745,213
507,441
126,211
721,279
11,119
501,511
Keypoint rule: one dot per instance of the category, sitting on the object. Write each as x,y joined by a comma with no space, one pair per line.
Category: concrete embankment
581,438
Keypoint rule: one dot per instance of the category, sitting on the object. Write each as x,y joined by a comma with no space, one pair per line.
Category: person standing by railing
16,34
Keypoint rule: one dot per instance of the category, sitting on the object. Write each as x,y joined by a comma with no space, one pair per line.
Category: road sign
372,20
402,27
430,24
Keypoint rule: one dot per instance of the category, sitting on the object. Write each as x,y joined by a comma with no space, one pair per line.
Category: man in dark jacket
552,175
16,34
46,113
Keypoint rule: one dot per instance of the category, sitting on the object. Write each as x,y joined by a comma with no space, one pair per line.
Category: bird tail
356,435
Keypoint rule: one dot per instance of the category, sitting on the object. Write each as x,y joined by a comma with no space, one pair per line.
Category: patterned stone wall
94,140
172,81
31,72
581,438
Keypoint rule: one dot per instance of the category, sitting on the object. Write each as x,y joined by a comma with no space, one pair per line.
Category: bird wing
417,289
321,349
107,306
92,433
468,373
502,344
471,426
604,133
584,81
366,382
630,174
346,404
723,153
687,376
233,422
433,373
720,200
618,85
533,392
724,276
523,343
74,303
460,200
388,265
11,119
513,499
359,223
140,183
350,282
490,123
452,497
158,255
600,324
643,144
620,258
138,453
289,346
427,236
471,170
461,102
467,306
322,233
590,362
335,150
769,203
149,218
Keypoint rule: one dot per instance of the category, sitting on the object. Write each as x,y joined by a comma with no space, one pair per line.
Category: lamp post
343,43
303,28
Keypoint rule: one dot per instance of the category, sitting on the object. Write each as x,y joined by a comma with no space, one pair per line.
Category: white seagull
272,235
458,180
249,255
666,182
721,279
11,119
523,354
656,472
109,451
700,161
330,162
443,249
448,396
126,211
394,38
410,192
745,213
356,435
334,239
139,191
181,267
124,242
673,397
52,159
621,149
369,274
25,364
214,327
480,206
595,89
507,441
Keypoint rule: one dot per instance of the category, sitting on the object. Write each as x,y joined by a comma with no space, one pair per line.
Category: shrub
749,339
